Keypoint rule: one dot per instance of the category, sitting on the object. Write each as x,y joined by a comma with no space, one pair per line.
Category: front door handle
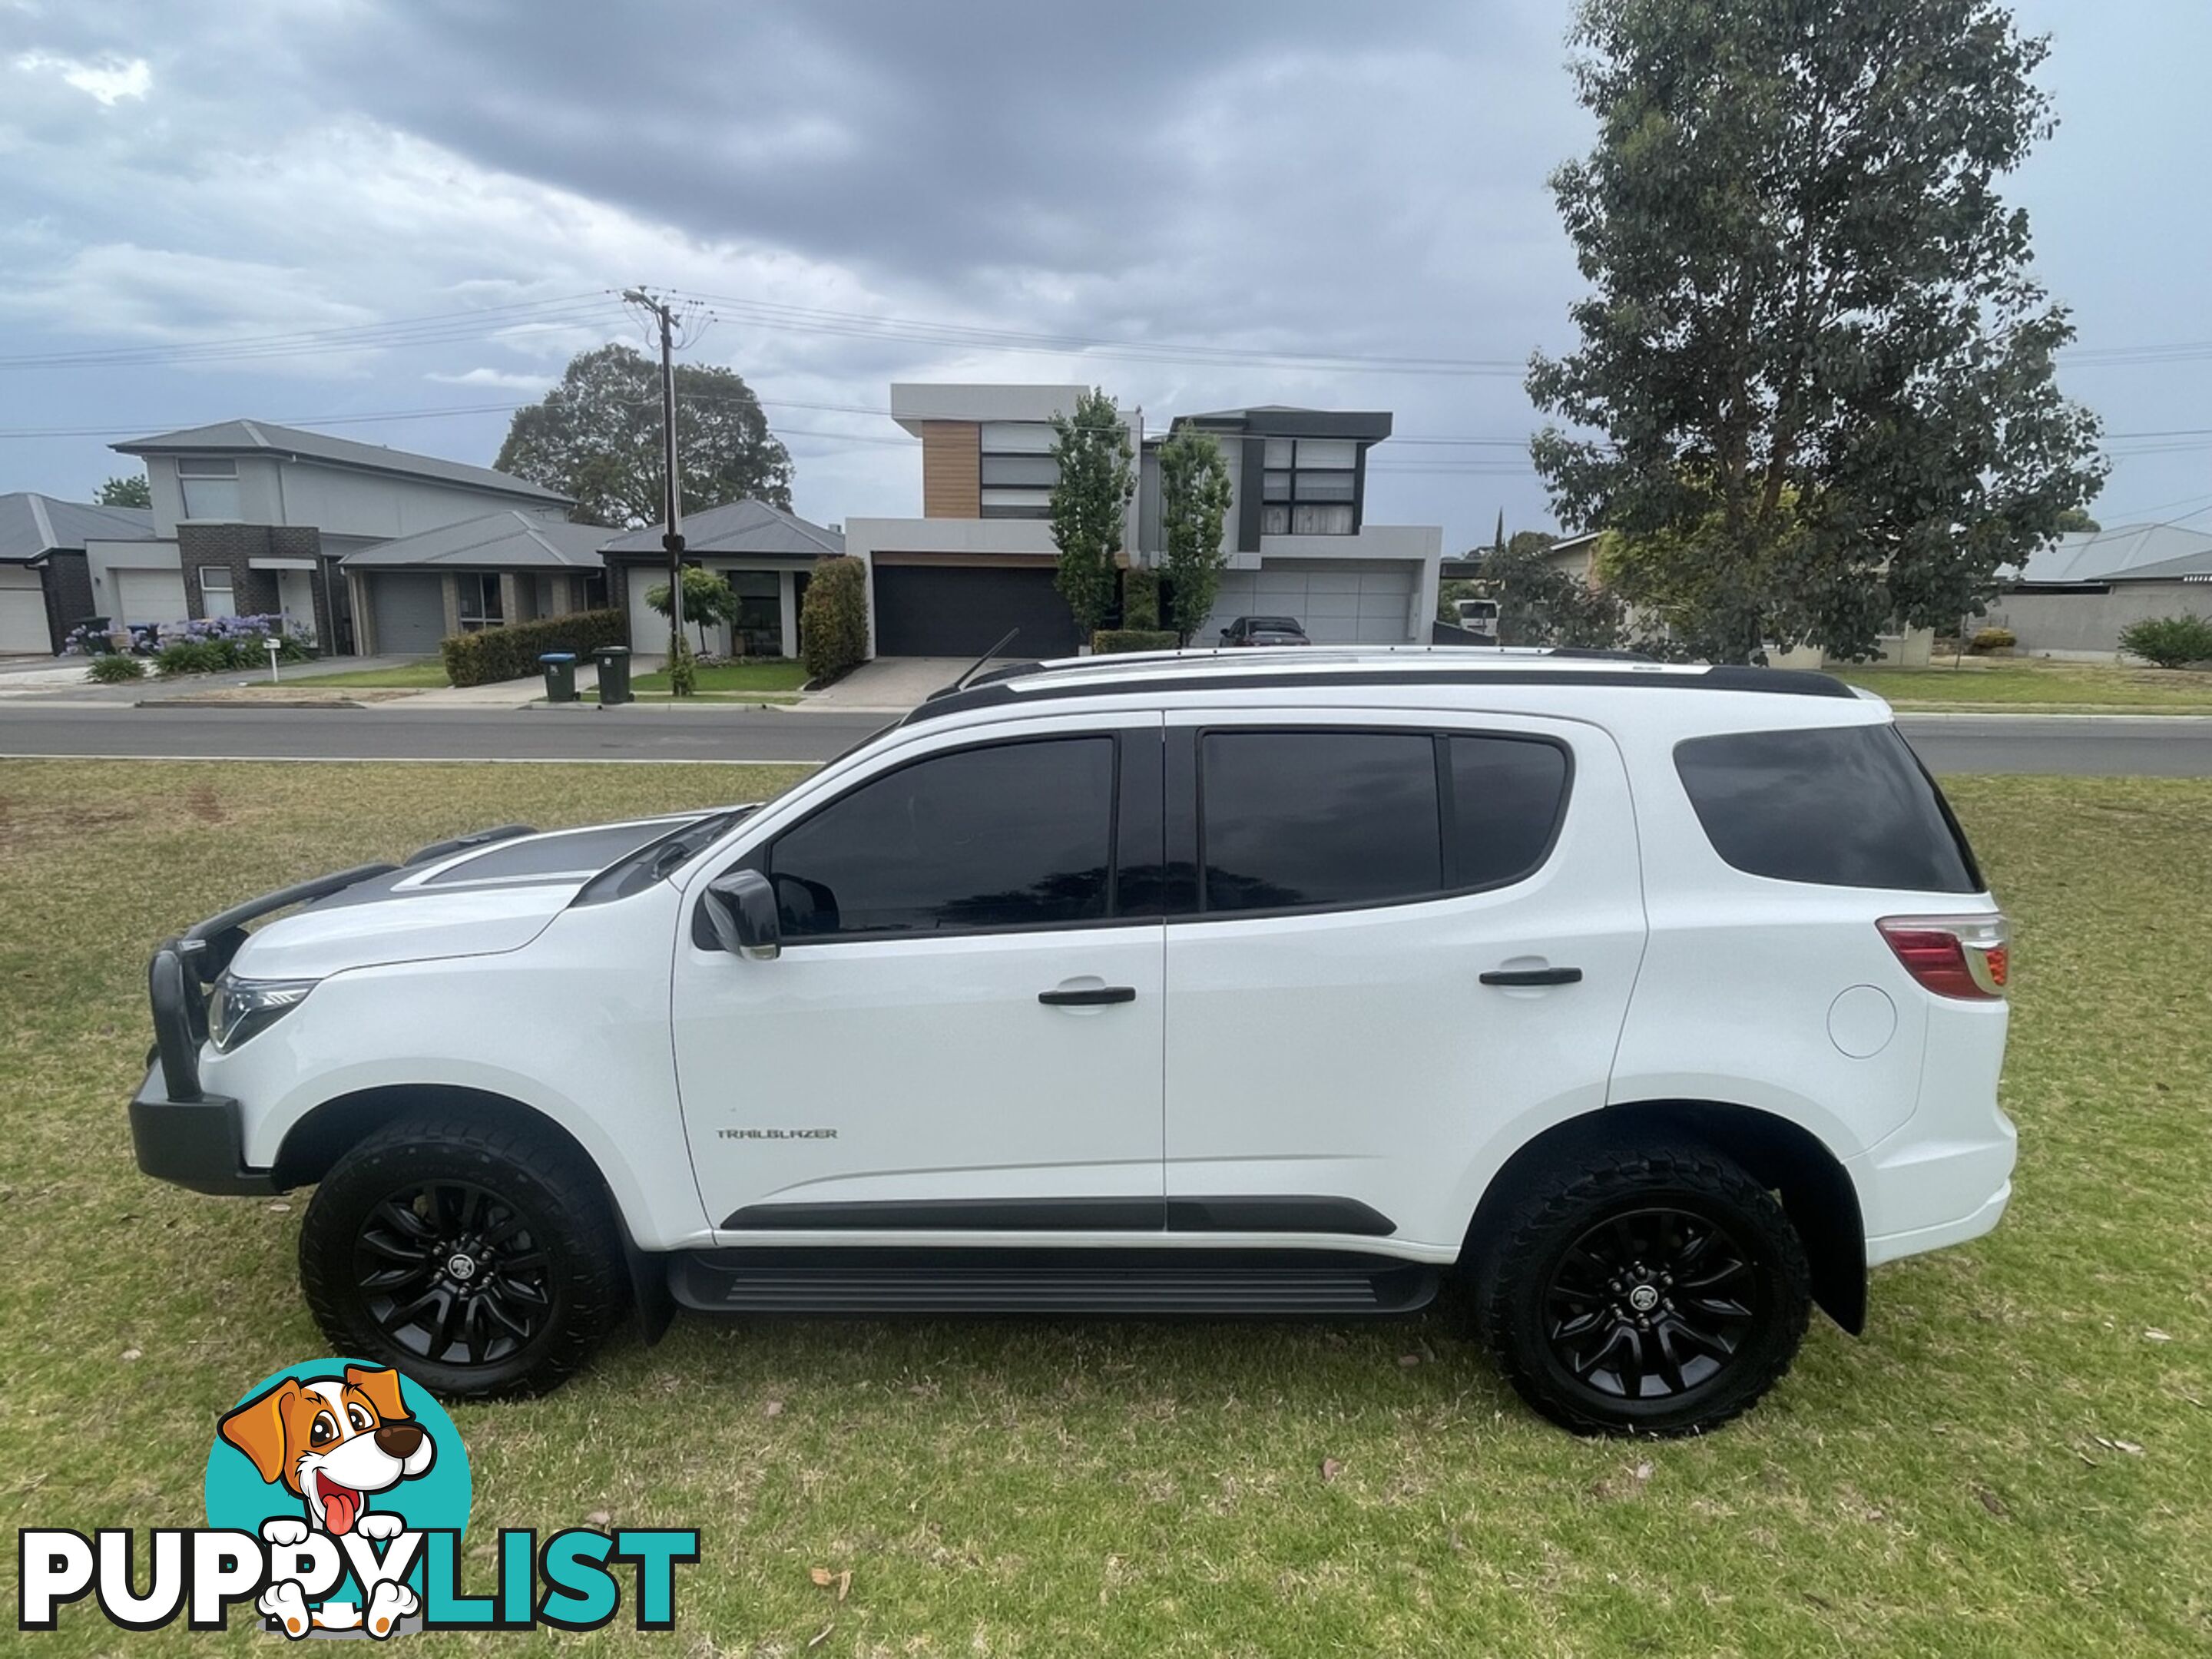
1089,996
1533,977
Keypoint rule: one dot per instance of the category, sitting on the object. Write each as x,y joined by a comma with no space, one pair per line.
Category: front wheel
477,1259
1655,1290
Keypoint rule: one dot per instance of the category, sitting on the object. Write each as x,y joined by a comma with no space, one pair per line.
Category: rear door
1337,1067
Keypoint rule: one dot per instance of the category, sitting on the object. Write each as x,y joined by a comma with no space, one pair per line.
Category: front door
1337,1063
963,1033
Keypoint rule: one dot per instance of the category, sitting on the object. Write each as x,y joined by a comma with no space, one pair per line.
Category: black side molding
1288,1213
1009,1215
1236,1213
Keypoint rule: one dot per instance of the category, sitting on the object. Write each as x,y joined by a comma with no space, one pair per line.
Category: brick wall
233,547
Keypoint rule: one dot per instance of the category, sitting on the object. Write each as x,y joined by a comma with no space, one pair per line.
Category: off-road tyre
513,1220
1592,1238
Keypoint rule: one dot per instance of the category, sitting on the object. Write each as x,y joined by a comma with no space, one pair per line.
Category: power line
442,328
868,326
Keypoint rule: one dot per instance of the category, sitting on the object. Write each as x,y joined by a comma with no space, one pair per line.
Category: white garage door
22,612
146,596
1340,603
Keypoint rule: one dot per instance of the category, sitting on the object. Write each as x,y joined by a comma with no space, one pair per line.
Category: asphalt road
2146,746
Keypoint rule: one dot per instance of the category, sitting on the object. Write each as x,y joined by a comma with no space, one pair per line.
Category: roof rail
1093,677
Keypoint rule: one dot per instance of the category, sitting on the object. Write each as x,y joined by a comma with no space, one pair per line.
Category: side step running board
736,1281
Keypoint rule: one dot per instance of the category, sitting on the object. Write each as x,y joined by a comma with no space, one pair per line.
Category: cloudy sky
398,218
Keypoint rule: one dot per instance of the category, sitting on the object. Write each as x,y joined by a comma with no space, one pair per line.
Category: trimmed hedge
1141,601
1993,639
1108,641
833,621
511,653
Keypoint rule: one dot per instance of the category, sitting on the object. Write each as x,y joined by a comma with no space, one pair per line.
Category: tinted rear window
1506,793
1845,807
1294,818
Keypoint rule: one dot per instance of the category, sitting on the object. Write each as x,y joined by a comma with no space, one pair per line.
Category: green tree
709,600
1096,479
833,618
596,436
125,491
1538,605
2077,518
1816,356
1194,501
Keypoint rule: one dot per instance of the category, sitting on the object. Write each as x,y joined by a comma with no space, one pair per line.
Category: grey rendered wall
2093,622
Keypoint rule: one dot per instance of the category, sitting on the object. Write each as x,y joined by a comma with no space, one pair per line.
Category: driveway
889,685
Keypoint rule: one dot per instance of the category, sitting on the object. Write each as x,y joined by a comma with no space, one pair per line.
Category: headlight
245,1006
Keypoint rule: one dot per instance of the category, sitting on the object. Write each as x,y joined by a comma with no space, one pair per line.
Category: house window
216,598
1017,468
758,629
210,489
1310,487
480,602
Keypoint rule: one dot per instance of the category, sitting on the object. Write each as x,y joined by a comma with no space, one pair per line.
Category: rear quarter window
1848,806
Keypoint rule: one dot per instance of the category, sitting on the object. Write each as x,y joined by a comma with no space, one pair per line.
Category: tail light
1964,957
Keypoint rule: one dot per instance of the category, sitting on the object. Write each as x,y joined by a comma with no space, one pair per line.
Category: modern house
251,519
46,580
2073,598
762,551
512,566
980,561
1299,541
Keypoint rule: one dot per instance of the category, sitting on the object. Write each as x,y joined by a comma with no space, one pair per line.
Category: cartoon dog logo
333,1444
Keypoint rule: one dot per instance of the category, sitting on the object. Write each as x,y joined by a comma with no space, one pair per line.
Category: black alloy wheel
1650,1303
1643,1289
451,1272
481,1256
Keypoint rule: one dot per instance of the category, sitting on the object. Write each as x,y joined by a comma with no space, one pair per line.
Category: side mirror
741,909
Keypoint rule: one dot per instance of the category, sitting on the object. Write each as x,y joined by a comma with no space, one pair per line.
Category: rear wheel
477,1259
1655,1290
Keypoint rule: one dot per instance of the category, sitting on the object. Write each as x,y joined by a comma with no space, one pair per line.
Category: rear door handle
1533,977
1089,996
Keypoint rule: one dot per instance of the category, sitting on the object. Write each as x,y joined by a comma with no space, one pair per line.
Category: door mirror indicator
741,909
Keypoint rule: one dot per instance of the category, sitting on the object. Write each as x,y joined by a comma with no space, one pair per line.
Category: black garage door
961,612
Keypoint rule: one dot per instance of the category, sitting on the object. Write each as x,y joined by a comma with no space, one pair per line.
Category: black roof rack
1000,687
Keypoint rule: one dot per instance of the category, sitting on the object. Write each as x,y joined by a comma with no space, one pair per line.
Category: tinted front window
1506,796
1848,807
1318,817
1015,835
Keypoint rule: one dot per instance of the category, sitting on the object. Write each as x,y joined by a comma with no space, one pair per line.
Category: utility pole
672,537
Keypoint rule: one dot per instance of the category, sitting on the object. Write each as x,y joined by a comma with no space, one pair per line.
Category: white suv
1146,986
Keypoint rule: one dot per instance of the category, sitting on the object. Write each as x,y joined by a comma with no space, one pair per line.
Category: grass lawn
2033,682
414,676
2011,1462
776,676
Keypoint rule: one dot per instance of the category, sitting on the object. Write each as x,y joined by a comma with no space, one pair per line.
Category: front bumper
197,1143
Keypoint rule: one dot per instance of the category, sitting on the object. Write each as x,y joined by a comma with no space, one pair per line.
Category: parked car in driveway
1265,630
991,1016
